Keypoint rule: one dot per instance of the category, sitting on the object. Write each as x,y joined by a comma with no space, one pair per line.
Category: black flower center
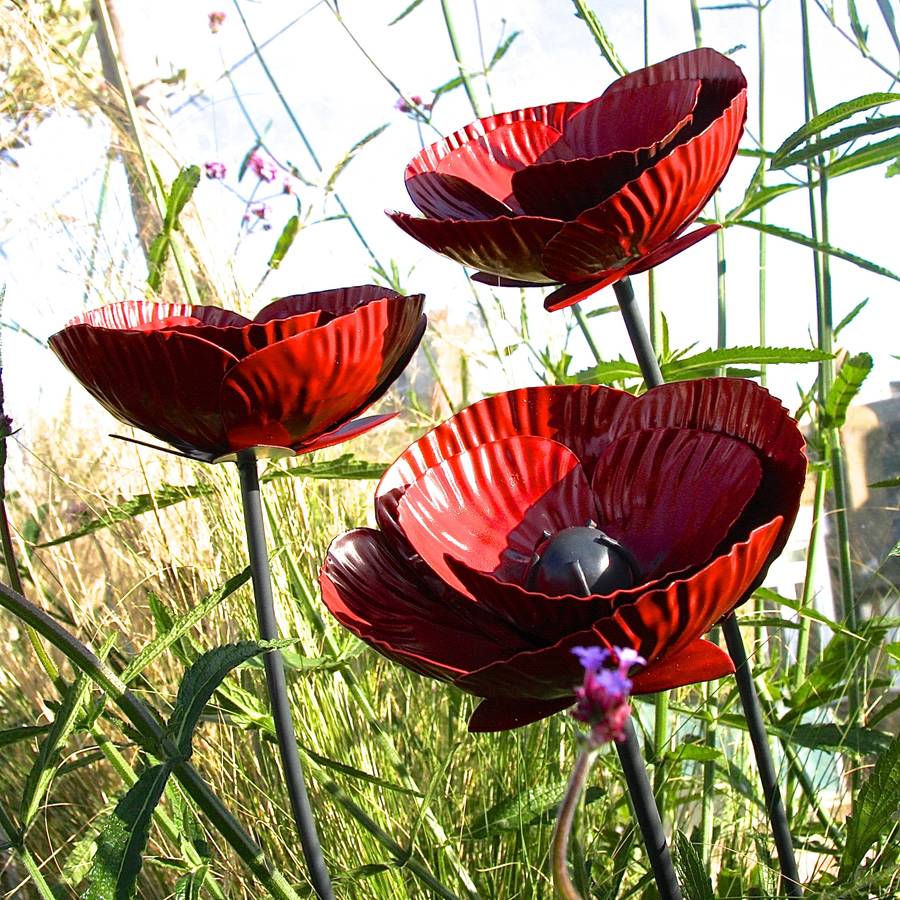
581,561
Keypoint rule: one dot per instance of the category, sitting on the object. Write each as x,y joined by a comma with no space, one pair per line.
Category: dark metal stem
648,815
790,878
275,680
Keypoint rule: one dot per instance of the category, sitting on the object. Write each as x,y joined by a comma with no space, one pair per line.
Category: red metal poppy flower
583,194
211,382
496,529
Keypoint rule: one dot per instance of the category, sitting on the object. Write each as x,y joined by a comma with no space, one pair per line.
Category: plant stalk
559,847
649,366
457,56
275,677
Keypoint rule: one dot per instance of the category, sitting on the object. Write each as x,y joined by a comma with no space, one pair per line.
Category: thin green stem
150,728
660,745
457,56
806,596
581,319
707,808
559,848
8,828
761,127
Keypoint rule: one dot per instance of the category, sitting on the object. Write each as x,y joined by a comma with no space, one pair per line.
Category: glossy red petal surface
743,410
673,247
570,294
346,432
670,496
487,507
369,591
144,314
580,252
510,247
451,197
670,194
578,416
293,391
699,661
504,713
703,63
335,302
163,382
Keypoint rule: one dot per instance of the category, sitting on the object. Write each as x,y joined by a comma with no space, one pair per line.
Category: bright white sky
52,197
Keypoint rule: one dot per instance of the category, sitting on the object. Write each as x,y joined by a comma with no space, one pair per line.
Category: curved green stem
559,848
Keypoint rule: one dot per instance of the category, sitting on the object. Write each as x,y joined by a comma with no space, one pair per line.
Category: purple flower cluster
216,21
264,169
215,169
603,696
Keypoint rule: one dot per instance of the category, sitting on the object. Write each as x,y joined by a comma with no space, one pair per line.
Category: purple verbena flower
261,211
215,169
263,168
603,696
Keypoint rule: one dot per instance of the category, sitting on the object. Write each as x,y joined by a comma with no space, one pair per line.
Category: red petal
699,661
335,302
743,410
370,593
570,294
671,248
606,144
488,507
580,252
670,194
510,247
163,382
646,118
143,314
346,432
497,281
670,495
291,392
578,416
703,63
442,196
503,713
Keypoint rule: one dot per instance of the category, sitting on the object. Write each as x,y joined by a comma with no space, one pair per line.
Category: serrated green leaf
350,154
608,372
122,840
729,356
178,627
865,158
756,198
829,117
22,733
525,808
875,811
448,86
200,682
849,379
798,238
182,188
405,12
285,239
167,495
844,136
157,255
345,466
189,887
502,49
601,38
850,316
81,855
692,872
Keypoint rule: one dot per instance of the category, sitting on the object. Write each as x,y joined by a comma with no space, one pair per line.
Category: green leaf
603,311
850,316
350,154
345,466
178,627
200,682
887,483
600,36
189,886
755,198
182,188
285,239
887,13
830,117
694,752
22,733
448,86
798,238
691,870
875,811
844,136
123,838
865,157
859,32
830,736
608,372
167,495
405,12
806,612
525,808
849,379
729,356
156,261
502,49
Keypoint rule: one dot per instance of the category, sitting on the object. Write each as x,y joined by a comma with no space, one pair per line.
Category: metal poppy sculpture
547,518
220,387
583,194
211,382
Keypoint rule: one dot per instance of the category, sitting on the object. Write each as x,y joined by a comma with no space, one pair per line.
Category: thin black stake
275,680
790,877
647,814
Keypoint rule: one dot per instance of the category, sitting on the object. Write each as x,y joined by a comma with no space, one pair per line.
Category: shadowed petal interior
335,302
503,713
444,196
671,495
699,661
487,507
144,314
